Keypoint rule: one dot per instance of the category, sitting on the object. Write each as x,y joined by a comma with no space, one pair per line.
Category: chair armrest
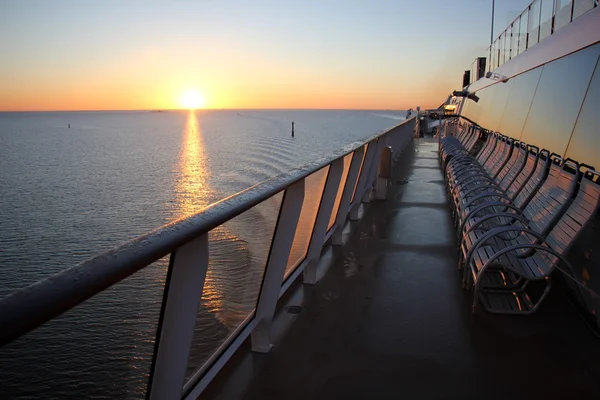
537,247
497,231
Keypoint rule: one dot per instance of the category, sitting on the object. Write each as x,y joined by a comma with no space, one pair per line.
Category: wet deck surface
390,319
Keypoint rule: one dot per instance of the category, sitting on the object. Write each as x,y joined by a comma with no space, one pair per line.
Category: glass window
523,32
507,43
340,191
585,142
494,108
514,47
563,14
546,18
558,99
501,44
534,23
519,101
313,192
580,7
238,257
497,53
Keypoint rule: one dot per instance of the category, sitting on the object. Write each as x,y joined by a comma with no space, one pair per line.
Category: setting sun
192,99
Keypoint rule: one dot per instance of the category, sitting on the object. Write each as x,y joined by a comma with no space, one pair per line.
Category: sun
192,99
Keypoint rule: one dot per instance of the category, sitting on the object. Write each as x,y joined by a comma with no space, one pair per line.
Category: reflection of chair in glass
532,261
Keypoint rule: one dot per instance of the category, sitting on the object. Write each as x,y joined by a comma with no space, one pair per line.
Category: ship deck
390,320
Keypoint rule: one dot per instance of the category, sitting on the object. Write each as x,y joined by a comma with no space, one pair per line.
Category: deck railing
349,179
539,20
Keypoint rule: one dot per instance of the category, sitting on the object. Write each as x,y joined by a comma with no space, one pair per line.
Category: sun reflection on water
192,186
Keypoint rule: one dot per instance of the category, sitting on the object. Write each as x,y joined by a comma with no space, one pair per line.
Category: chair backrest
530,184
504,157
466,135
498,157
470,144
554,196
462,132
513,167
585,205
488,147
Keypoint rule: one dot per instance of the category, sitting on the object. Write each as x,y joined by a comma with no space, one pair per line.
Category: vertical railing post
369,185
362,179
320,229
351,178
276,264
371,171
183,290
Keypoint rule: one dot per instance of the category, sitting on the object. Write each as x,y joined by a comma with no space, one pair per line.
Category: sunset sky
114,55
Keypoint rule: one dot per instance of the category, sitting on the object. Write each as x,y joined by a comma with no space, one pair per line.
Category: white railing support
320,229
275,269
384,173
340,220
182,295
373,168
362,180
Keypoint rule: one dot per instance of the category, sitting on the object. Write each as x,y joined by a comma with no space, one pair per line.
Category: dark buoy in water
69,126
292,128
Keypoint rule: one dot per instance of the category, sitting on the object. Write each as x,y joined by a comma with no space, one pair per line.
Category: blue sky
240,54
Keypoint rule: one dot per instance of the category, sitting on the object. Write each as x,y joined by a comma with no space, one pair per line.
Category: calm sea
67,194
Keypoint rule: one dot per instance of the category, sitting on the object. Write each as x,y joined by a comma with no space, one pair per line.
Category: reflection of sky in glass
492,101
585,142
312,200
516,110
338,197
558,99
582,6
534,23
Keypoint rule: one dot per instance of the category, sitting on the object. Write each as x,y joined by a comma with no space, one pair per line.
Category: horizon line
209,109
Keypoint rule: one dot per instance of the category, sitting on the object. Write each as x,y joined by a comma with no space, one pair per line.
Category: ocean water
70,193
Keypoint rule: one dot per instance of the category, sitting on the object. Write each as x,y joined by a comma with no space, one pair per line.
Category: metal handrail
186,240
30,307
528,8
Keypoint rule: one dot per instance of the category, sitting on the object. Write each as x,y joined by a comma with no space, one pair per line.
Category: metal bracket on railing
351,182
275,269
181,300
320,229
384,174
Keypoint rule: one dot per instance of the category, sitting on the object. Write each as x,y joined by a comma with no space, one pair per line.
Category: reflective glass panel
514,47
585,142
100,349
563,13
558,99
523,32
238,253
499,95
507,44
534,23
359,171
519,101
546,18
502,43
340,191
313,192
580,7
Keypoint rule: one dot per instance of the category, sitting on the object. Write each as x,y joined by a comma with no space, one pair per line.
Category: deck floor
390,320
